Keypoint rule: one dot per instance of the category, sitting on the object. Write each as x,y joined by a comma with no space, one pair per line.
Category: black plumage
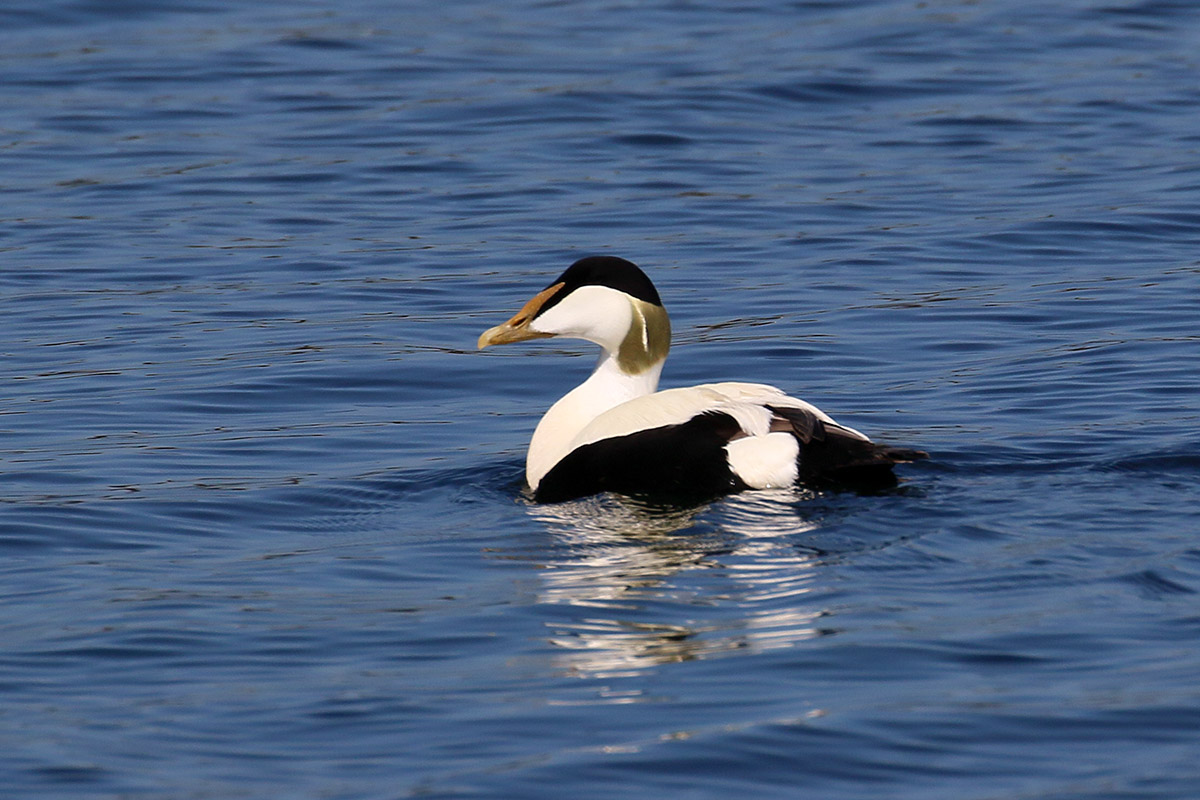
682,463
688,462
830,457
611,271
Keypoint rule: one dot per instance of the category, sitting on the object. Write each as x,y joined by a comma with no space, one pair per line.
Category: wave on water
1179,460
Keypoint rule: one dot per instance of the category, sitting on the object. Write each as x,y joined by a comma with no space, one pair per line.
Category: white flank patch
765,462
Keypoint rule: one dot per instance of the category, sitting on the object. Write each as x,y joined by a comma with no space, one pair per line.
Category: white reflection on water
670,585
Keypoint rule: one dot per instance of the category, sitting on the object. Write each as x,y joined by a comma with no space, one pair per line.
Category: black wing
683,463
687,463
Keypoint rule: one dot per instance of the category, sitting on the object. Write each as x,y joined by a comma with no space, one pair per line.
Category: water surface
261,513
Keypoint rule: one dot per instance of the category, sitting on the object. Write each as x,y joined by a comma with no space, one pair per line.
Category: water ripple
262,505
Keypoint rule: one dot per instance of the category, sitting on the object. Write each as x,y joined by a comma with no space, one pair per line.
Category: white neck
607,387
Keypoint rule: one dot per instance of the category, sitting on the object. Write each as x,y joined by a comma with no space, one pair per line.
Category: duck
618,432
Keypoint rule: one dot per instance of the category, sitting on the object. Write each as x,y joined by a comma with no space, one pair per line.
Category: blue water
262,531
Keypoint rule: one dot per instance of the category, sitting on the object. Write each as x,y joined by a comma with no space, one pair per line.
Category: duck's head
602,299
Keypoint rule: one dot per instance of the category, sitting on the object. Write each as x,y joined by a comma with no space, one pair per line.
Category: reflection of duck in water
616,432
643,595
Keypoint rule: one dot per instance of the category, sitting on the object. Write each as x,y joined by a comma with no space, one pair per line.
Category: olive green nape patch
648,340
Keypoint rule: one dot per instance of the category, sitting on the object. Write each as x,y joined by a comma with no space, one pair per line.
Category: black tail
830,457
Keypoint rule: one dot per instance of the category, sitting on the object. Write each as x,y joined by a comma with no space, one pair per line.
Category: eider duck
616,432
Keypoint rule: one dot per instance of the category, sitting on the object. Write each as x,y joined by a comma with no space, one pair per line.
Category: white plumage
747,403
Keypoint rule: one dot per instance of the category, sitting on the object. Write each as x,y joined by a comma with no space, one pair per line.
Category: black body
688,463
